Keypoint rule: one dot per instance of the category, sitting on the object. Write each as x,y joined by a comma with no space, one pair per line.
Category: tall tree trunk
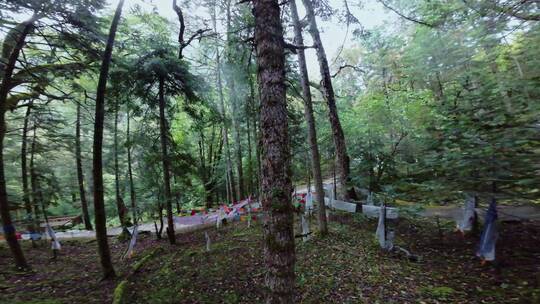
256,137
250,113
310,119
227,189
204,169
279,249
9,229
130,173
24,170
342,157
159,231
80,172
250,156
37,197
99,203
237,142
230,176
233,99
165,161
37,192
120,206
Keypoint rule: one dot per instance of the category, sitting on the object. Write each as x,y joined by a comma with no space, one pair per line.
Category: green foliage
432,108
440,292
444,110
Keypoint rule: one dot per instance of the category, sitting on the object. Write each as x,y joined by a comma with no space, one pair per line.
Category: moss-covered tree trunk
279,252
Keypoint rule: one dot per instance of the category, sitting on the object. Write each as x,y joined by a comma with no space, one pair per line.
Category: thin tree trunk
310,120
256,137
204,170
230,177
165,161
250,156
80,173
160,216
233,99
160,232
36,197
250,113
279,252
9,229
227,190
37,194
120,206
99,203
37,191
236,136
24,171
73,198
130,173
328,92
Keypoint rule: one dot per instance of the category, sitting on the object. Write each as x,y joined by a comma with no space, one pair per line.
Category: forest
265,151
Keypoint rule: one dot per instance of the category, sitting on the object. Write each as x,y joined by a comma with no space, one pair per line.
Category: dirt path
505,213
115,231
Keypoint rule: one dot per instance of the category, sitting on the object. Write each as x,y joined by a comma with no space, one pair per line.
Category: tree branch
406,17
181,41
514,11
293,47
348,66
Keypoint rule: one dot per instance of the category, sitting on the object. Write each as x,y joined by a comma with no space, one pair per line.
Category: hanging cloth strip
486,249
466,222
55,244
129,252
386,239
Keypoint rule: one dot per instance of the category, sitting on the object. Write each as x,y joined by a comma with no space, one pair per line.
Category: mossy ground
345,267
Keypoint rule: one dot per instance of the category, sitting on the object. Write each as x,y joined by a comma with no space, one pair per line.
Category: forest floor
345,267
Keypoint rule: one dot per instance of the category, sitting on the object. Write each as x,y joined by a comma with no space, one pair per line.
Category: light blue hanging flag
486,250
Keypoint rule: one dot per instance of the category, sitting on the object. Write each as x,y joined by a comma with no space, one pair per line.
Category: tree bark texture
279,250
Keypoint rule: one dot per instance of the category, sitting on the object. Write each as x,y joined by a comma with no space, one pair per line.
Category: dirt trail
505,212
